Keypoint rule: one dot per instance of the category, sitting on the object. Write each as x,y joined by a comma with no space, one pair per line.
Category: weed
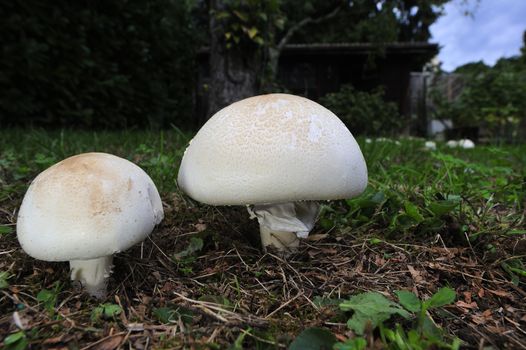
48,298
105,311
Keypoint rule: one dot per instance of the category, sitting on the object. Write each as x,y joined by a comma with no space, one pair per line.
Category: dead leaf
110,343
200,227
54,340
316,237
312,253
478,319
135,327
168,287
495,329
467,297
500,293
329,251
340,337
379,261
487,313
482,318
414,274
463,305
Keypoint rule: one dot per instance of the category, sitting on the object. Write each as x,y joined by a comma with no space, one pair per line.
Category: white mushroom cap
431,145
271,149
87,206
466,143
452,144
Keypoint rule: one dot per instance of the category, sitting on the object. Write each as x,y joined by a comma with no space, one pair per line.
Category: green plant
83,64
105,311
365,113
48,298
168,314
4,276
490,97
186,258
247,23
371,310
313,339
16,341
4,230
357,343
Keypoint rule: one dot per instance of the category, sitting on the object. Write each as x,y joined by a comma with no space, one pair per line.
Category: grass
428,219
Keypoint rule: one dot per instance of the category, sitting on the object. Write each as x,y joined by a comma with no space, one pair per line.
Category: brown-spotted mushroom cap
87,207
271,149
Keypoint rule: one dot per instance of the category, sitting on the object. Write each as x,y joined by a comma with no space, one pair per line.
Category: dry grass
270,298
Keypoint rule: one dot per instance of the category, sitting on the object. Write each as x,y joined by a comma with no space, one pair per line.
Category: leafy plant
490,97
355,109
105,311
16,341
247,22
4,230
167,315
195,245
313,339
516,270
48,297
4,276
186,258
371,310
357,343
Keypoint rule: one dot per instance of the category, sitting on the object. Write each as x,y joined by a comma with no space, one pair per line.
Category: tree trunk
233,72
274,49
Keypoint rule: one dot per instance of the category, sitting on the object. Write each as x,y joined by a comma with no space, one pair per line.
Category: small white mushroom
466,144
452,144
277,153
83,210
431,145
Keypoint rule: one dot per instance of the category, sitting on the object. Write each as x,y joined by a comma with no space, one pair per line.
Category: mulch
231,287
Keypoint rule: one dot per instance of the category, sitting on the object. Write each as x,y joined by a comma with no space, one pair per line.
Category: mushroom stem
92,274
281,225
280,240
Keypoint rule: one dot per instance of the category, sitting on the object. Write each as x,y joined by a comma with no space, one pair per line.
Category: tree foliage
378,21
492,97
254,32
104,64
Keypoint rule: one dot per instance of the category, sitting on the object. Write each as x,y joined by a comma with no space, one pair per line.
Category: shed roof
362,48
354,48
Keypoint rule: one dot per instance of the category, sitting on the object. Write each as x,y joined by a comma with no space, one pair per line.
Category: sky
493,31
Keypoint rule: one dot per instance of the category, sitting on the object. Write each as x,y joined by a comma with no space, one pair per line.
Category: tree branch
303,23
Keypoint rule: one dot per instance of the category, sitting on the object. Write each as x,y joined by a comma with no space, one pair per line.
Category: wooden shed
313,70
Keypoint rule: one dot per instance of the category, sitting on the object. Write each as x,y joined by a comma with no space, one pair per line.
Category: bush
491,98
95,63
364,113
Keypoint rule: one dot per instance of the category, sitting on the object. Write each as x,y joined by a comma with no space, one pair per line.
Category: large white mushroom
279,154
83,210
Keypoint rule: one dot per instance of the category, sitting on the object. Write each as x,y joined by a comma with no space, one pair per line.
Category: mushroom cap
452,144
87,206
466,143
272,149
430,145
